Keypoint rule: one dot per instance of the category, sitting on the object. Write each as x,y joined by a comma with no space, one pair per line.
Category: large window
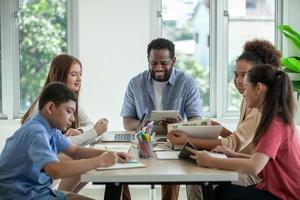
186,23
35,31
248,19
209,35
42,35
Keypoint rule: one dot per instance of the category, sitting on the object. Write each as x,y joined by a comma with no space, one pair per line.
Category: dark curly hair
261,52
161,43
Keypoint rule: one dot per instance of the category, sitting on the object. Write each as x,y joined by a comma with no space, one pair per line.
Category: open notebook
128,165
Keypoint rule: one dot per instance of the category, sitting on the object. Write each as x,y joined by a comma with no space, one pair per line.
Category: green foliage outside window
42,35
198,72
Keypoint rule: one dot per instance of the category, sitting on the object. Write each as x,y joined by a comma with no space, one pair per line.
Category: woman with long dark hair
277,146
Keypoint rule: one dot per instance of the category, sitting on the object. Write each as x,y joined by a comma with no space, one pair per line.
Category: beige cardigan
241,139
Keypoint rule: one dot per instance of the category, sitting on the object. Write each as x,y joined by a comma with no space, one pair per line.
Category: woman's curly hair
261,52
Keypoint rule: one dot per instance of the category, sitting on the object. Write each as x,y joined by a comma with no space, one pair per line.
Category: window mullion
221,58
155,19
73,29
10,59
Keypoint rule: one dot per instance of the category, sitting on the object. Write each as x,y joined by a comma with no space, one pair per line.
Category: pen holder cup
145,149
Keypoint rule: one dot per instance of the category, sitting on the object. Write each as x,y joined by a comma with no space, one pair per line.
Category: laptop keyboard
124,137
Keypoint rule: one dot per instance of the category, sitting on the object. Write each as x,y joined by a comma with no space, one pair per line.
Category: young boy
29,162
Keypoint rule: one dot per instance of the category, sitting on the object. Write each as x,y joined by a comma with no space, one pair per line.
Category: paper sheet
167,155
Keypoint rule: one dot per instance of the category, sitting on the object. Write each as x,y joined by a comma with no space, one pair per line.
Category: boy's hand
107,159
72,132
123,157
223,149
101,126
177,137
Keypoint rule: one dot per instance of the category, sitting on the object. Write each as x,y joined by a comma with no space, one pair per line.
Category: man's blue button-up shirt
181,93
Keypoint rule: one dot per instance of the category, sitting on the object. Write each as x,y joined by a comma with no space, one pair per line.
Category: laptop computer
118,136
112,136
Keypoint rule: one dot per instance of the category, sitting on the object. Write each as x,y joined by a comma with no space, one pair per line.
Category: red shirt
281,175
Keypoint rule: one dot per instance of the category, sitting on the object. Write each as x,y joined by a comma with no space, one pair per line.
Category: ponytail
279,100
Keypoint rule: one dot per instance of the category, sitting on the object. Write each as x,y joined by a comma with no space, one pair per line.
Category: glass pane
248,19
186,23
42,35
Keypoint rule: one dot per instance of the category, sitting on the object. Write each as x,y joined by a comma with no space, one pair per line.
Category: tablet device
185,153
158,115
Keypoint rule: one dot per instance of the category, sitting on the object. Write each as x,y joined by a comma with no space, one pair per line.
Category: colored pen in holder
145,144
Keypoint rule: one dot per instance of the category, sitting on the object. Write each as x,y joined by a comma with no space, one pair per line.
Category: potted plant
291,65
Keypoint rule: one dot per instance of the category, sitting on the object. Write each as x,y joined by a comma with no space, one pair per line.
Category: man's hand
214,123
72,132
101,126
164,122
177,137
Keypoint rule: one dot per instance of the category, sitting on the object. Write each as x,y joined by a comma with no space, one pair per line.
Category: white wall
113,37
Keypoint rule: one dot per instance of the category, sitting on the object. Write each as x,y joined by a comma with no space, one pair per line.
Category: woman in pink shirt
277,154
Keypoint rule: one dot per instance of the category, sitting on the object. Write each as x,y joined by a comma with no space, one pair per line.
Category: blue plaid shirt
181,93
25,154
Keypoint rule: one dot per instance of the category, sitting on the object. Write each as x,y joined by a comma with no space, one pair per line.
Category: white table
163,172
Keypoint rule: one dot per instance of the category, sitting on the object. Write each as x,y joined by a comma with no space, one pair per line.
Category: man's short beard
167,76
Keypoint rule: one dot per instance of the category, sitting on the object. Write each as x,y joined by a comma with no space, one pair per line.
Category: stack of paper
198,129
203,122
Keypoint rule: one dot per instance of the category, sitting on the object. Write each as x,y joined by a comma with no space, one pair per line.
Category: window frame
218,48
10,53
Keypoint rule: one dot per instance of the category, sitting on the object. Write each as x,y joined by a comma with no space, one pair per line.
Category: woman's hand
72,132
201,157
177,137
223,149
101,126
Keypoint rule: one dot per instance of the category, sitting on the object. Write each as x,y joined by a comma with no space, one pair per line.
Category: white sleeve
87,127
82,138
85,123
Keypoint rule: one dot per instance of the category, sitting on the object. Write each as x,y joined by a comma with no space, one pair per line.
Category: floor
138,192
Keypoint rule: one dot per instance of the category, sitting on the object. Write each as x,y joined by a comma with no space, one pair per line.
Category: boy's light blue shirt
181,93
25,154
